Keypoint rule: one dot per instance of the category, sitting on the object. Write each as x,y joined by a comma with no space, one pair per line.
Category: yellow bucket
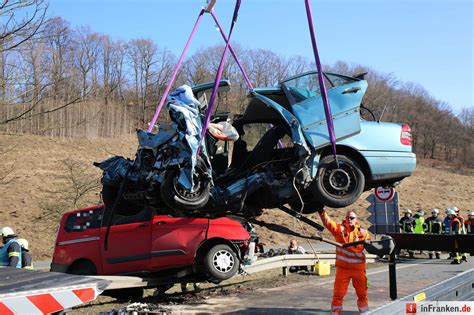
322,268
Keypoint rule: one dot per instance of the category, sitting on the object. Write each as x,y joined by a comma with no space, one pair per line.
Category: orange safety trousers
359,281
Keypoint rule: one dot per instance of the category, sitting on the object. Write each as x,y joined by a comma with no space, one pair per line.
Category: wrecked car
277,152
144,243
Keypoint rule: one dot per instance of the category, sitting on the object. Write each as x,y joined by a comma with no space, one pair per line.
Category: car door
344,94
129,241
175,240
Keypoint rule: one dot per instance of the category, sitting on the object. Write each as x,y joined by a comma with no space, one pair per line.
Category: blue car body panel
344,110
379,143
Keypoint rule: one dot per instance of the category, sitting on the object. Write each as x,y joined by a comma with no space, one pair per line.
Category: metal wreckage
281,150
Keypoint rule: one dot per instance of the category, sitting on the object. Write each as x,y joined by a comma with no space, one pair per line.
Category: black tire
83,268
220,263
176,197
338,187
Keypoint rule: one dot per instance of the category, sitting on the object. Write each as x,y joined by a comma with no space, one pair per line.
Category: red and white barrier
44,303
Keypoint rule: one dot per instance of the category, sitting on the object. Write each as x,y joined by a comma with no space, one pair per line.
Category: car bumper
59,267
387,165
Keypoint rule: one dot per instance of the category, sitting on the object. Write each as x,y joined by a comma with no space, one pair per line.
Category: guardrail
457,288
285,261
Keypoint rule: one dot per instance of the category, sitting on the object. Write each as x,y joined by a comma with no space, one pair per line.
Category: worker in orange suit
350,261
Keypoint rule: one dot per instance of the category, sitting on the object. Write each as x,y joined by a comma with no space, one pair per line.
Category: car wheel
177,197
83,267
220,263
338,187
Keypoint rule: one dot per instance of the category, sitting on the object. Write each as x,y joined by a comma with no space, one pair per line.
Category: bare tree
21,20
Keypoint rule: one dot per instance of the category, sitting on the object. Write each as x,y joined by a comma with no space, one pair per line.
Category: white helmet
455,209
23,243
450,211
471,213
406,210
7,231
434,211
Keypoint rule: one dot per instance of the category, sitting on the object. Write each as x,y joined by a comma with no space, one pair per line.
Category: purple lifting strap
244,73
220,70
322,86
173,77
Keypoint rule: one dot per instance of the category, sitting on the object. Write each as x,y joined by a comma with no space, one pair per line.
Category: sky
427,42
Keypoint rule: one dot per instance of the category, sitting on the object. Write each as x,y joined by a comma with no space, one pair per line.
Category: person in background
293,248
447,226
469,223
419,222
26,260
455,229
406,225
350,261
10,253
434,225
463,230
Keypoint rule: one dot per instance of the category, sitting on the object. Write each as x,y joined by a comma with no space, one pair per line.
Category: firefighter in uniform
406,226
469,223
350,261
26,261
447,226
455,229
463,230
434,225
10,253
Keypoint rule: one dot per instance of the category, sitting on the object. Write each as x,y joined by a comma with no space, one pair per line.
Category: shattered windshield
306,85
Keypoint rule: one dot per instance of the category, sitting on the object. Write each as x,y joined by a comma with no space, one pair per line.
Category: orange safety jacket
469,226
456,227
352,257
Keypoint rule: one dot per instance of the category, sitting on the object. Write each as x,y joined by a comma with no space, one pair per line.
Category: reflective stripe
14,254
362,255
28,267
363,309
336,307
21,305
79,240
350,260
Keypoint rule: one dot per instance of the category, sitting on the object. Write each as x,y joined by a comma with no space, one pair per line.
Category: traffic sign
383,211
384,193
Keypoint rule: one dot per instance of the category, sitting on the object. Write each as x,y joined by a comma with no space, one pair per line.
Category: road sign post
384,211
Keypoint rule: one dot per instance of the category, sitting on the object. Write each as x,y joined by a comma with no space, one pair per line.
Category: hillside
40,172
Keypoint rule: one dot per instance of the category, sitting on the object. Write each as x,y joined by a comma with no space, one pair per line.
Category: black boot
430,255
438,256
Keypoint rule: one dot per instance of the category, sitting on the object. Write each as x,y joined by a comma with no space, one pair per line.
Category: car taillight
405,135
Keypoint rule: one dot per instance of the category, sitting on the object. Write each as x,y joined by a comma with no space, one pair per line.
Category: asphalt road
314,297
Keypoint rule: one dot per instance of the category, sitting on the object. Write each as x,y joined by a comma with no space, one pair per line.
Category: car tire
338,187
220,263
83,268
177,197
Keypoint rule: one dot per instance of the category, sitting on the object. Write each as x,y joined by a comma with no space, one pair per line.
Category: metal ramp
35,292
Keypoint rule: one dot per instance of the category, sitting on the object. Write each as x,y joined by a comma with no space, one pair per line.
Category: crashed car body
148,244
283,154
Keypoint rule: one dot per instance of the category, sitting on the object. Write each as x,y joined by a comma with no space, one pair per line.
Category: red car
149,244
